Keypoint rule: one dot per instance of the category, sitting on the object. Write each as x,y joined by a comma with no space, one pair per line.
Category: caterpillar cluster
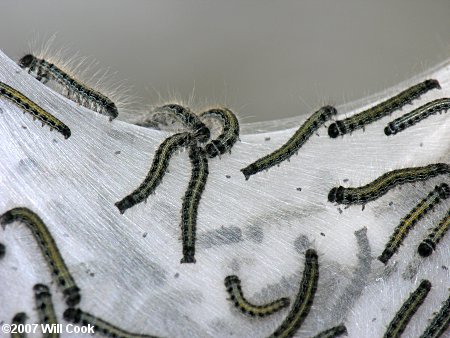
197,139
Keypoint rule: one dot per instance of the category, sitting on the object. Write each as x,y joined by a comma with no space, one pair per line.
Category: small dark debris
267,139
177,275
117,152
55,140
340,210
299,189
24,127
145,234
322,234
373,320
421,144
444,268
228,176
391,203
92,274
345,180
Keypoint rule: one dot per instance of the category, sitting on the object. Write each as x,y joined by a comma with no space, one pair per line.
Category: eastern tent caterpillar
49,250
333,332
45,309
157,170
191,201
233,286
102,327
439,193
314,122
19,319
379,111
304,298
37,112
428,245
416,116
230,131
385,182
407,311
76,91
440,322
2,250
187,118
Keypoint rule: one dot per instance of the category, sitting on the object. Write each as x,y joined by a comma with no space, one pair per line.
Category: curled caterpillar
74,89
416,116
386,182
49,250
188,119
233,286
379,111
36,111
314,122
439,193
230,133
157,170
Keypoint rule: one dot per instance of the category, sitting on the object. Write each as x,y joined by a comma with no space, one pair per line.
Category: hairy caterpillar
49,250
157,170
333,332
314,122
416,116
439,193
440,322
37,112
428,245
45,309
102,327
233,286
304,298
74,89
408,309
385,182
379,111
191,201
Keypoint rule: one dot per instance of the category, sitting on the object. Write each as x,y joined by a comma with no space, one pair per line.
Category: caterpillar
76,91
440,322
49,250
416,116
385,182
230,133
191,201
439,193
428,245
157,170
304,298
233,286
36,111
333,332
2,250
379,111
187,118
45,309
102,327
313,123
408,309
19,319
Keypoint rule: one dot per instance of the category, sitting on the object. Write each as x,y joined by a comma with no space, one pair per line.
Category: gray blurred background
265,59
